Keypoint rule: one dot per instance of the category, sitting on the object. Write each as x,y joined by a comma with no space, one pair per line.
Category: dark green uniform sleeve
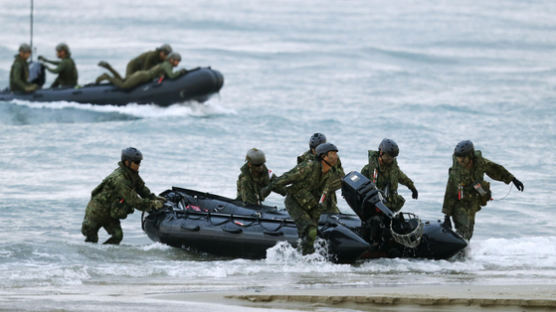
405,180
450,195
131,197
52,62
298,173
497,172
16,77
168,71
145,192
60,68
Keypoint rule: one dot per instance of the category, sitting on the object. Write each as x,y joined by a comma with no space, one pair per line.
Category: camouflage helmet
174,56
166,48
324,148
464,148
24,47
132,154
388,146
316,139
255,156
63,47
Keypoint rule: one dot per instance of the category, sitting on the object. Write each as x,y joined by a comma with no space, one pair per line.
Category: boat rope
507,194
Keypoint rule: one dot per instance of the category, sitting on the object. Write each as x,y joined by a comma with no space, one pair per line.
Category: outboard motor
37,73
363,196
379,225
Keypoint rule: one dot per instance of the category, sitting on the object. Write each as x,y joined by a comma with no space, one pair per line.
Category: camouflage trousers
306,221
135,79
92,222
128,82
395,202
464,218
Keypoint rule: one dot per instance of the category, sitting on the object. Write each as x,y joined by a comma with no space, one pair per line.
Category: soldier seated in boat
165,69
330,203
148,60
254,178
65,68
19,73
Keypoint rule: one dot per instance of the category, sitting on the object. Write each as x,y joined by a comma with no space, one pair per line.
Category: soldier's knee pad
311,234
118,235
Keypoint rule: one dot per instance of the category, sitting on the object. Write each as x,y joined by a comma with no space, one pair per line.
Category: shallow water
426,74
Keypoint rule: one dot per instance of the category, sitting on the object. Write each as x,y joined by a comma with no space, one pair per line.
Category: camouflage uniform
142,76
387,176
66,70
307,185
250,185
114,199
144,61
330,202
19,73
461,200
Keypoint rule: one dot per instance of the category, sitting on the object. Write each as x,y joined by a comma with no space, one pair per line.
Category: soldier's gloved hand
447,223
42,58
414,193
158,204
182,71
163,199
518,184
265,191
103,64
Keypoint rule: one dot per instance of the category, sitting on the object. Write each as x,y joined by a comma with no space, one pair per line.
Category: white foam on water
527,252
156,246
190,108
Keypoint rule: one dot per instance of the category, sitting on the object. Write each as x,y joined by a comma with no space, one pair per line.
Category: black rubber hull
197,85
224,227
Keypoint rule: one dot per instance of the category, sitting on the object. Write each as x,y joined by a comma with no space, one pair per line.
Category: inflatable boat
197,85
226,227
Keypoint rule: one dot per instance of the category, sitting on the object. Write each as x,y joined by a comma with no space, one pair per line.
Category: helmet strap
324,160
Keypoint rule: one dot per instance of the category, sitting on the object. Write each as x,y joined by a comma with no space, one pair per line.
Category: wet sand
402,298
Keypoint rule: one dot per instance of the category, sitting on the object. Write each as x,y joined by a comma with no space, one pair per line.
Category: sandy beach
403,298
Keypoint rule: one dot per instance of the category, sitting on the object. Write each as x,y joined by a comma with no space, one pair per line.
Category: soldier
308,182
148,60
466,190
142,76
65,68
330,203
116,197
384,172
19,73
253,179
315,140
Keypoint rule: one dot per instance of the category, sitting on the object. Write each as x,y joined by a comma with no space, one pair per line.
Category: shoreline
399,298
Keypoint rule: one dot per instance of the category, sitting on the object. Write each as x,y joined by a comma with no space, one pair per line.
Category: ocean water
424,73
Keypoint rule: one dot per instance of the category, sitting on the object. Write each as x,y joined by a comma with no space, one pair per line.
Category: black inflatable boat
225,227
197,85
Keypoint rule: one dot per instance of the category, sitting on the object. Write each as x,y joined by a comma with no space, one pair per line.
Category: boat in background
198,85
